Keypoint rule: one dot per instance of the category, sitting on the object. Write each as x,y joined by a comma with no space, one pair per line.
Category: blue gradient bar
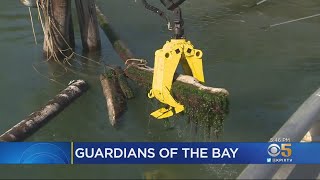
35,153
158,153
202,153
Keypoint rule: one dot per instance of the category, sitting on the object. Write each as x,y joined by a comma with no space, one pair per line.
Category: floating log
115,94
201,102
88,23
118,45
38,118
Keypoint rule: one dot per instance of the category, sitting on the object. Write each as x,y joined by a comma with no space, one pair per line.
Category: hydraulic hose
157,11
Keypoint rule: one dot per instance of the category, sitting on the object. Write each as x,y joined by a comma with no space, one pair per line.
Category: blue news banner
159,153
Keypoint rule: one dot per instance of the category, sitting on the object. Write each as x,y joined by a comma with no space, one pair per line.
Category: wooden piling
58,32
71,34
88,23
38,118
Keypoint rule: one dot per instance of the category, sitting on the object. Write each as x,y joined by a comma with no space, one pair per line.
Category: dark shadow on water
305,171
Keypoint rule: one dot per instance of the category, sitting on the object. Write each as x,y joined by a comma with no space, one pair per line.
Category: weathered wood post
58,32
89,28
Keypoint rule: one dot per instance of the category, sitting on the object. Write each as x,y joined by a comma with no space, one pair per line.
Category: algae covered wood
123,83
38,118
116,91
187,90
118,45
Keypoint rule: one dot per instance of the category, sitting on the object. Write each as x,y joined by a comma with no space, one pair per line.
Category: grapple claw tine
162,113
166,63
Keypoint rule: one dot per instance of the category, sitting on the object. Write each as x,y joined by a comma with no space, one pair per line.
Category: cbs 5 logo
274,150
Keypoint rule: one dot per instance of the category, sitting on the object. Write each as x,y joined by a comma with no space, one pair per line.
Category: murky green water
268,74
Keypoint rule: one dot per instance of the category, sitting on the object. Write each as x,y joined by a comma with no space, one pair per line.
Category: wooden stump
88,23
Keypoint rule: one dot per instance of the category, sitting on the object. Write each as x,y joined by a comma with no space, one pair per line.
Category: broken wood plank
37,119
116,103
116,96
123,83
